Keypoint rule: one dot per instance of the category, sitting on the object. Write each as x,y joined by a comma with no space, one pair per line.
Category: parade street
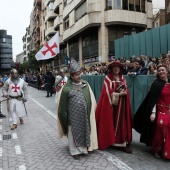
35,144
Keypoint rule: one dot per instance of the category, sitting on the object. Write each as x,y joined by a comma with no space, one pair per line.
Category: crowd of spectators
143,65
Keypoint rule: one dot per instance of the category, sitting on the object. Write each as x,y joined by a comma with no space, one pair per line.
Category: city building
5,52
27,44
167,11
20,58
159,18
88,28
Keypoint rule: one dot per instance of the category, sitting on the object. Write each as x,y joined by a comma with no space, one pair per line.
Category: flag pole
59,60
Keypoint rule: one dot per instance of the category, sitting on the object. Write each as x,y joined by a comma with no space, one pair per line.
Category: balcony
50,16
123,17
50,31
89,20
47,2
37,39
56,6
37,13
57,22
37,2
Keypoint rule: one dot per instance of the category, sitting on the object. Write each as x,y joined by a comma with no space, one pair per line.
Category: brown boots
14,126
21,121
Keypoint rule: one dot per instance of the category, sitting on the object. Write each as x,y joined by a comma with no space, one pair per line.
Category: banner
50,49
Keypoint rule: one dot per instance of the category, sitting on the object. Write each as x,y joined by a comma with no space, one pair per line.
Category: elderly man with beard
15,90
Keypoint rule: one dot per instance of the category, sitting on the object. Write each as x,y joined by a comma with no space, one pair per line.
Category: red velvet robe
161,135
114,123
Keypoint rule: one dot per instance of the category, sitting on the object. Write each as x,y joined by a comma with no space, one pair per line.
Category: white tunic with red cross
16,90
62,83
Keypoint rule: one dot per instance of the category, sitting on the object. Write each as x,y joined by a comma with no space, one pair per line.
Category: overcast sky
15,17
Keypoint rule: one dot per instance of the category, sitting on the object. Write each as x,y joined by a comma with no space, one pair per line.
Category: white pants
14,117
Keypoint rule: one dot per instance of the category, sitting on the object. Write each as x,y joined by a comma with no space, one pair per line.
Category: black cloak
141,119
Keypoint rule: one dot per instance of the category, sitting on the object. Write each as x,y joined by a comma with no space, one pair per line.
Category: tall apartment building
167,11
88,28
5,52
27,44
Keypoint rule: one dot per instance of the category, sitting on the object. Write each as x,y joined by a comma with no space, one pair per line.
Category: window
125,4
81,11
131,5
108,4
137,5
117,4
66,23
65,3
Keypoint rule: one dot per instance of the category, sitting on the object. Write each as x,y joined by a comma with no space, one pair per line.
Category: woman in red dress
113,113
153,123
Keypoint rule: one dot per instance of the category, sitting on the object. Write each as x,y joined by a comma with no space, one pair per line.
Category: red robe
114,123
161,135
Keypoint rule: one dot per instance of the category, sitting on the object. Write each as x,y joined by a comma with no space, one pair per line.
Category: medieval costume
76,114
113,113
60,81
15,90
157,133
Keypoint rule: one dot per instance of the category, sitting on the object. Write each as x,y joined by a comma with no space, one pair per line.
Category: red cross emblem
50,49
63,83
15,87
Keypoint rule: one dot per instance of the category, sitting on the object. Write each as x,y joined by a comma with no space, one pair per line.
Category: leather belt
15,97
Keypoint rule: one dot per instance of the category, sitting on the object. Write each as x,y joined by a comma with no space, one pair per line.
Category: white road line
115,161
47,110
18,149
1,151
22,167
0,137
1,120
0,127
14,136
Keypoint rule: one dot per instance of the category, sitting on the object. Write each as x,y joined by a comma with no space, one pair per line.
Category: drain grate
6,137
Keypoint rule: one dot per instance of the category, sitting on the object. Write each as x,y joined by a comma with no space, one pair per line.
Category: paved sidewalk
35,146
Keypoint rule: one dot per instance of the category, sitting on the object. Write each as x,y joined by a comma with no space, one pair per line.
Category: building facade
167,11
88,28
5,52
159,18
20,58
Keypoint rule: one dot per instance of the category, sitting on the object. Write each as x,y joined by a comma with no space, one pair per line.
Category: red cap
116,63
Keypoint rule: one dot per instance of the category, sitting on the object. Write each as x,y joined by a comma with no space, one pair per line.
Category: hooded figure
15,90
76,113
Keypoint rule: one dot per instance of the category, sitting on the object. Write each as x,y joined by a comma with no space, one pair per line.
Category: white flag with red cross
50,49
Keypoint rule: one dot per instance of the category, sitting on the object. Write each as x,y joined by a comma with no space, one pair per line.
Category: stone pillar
103,37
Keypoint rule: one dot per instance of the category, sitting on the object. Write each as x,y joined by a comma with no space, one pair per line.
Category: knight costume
15,90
